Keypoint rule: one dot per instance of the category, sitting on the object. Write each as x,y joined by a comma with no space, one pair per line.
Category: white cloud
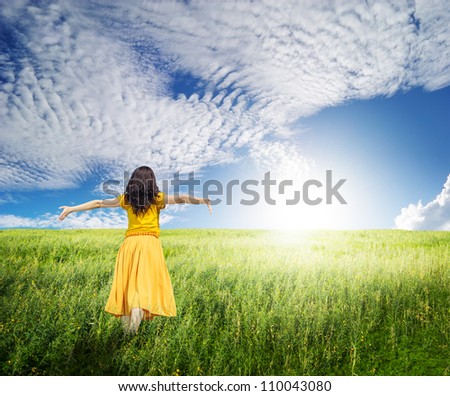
294,58
434,215
433,49
283,160
81,220
100,219
71,113
8,198
86,87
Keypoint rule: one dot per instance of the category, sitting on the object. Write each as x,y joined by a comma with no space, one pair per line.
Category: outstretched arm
95,204
183,198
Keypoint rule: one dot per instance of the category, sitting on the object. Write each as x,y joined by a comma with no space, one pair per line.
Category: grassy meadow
249,303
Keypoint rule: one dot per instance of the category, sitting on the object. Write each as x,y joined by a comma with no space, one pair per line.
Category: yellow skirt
141,279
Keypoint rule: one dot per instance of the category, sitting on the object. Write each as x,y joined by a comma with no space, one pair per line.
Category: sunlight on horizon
301,217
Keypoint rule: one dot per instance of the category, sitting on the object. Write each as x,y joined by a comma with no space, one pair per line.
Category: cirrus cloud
89,89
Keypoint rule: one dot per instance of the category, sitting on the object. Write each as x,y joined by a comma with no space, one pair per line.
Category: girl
141,286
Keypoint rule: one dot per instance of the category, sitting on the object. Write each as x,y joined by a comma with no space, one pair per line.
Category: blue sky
229,91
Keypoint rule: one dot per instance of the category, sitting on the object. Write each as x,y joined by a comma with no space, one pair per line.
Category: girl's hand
65,212
208,204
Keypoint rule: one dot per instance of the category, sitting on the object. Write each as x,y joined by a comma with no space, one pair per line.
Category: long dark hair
141,190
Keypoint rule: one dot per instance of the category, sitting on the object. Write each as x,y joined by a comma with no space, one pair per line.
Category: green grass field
249,303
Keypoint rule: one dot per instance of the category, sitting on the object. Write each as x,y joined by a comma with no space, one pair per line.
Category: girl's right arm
95,204
183,198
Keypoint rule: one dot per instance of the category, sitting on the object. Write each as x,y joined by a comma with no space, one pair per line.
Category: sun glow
284,217
318,199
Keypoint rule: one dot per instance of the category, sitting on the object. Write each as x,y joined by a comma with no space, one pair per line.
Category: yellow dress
141,278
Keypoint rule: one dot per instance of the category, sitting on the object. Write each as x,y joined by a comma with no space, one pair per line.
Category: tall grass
249,303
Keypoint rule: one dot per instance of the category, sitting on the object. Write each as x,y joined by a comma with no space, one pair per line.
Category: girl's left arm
183,198
95,204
